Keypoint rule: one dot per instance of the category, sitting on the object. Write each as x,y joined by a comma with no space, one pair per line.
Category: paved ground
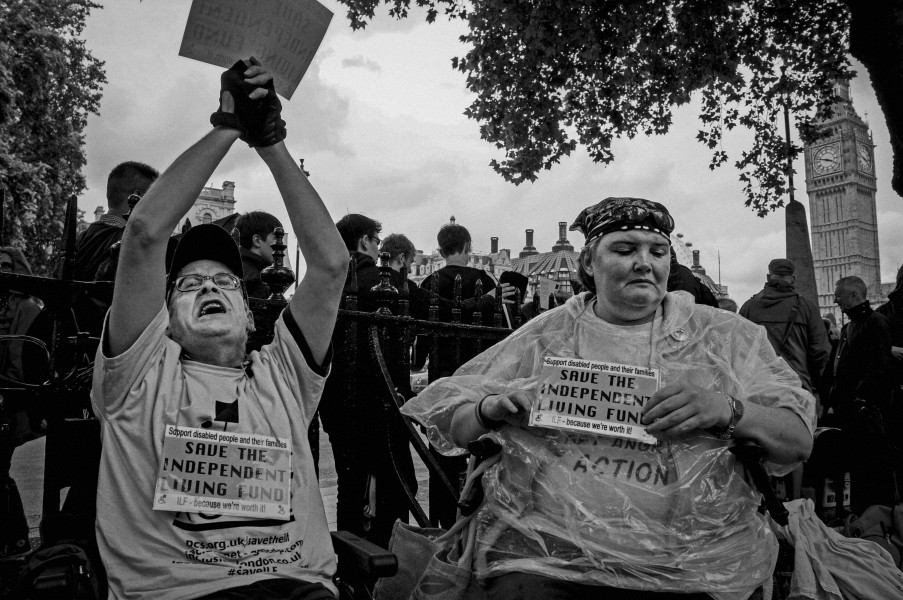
28,468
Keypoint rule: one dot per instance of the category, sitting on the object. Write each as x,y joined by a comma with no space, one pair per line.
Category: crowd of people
561,517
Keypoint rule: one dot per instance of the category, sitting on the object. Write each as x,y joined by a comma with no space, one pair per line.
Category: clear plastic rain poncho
677,516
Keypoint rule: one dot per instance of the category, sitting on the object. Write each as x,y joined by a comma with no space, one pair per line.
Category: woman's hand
513,408
495,410
677,409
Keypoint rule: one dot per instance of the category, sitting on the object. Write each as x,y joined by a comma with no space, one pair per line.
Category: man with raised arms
172,363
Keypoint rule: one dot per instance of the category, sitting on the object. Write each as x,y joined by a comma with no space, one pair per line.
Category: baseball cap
205,242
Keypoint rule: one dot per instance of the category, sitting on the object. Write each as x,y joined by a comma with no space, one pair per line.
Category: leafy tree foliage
49,83
549,74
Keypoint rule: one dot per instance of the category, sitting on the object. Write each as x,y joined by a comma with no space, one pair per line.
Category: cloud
362,63
378,119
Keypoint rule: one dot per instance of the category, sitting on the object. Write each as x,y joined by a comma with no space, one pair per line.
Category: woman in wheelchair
656,506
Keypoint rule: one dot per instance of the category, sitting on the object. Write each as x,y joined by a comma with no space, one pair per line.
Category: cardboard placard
224,472
576,394
283,34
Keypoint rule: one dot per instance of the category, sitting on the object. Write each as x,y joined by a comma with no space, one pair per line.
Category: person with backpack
794,327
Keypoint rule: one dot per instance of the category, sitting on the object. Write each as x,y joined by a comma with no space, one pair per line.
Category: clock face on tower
864,158
826,159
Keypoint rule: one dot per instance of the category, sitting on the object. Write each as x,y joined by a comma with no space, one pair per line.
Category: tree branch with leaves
551,74
49,83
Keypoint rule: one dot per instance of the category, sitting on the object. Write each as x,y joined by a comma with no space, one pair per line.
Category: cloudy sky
379,120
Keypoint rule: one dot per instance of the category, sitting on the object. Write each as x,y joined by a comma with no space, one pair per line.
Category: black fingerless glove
259,121
233,82
265,126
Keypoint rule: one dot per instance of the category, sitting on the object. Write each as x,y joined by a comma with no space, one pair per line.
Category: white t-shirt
180,555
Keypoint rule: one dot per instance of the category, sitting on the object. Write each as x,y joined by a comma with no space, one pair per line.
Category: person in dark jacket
401,253
682,278
893,311
126,180
794,327
367,441
454,245
93,245
860,393
255,239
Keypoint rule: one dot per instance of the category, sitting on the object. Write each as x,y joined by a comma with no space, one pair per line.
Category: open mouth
211,307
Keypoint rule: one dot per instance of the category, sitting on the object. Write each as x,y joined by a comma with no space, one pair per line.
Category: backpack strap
790,320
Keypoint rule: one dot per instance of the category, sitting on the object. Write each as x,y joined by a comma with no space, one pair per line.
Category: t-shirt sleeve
115,377
288,356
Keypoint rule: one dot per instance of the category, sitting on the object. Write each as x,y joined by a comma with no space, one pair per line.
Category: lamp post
796,225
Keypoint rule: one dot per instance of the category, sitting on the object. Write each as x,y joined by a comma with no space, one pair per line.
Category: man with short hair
364,437
454,246
360,234
401,252
255,239
92,246
206,486
792,322
860,391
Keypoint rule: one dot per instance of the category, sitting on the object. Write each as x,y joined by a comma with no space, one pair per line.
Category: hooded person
658,504
794,327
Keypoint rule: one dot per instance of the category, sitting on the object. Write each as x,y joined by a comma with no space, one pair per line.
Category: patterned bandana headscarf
623,214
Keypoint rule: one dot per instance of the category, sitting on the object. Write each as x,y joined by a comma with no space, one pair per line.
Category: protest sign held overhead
594,397
283,34
225,473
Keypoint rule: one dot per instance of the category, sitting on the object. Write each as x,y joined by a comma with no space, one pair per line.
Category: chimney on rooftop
562,243
697,268
529,249
494,245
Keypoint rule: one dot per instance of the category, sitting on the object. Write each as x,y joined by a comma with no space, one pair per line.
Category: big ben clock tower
840,182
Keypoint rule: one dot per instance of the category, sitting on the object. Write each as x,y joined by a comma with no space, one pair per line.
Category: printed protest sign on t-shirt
222,472
283,34
594,397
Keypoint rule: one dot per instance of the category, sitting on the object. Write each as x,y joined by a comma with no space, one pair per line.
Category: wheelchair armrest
752,456
363,556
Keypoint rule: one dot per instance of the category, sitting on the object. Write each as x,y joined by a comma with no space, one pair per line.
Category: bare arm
316,301
496,410
140,278
678,409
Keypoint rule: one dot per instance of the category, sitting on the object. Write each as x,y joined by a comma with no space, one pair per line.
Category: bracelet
727,432
491,424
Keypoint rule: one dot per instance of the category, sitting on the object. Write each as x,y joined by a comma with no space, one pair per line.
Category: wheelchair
71,465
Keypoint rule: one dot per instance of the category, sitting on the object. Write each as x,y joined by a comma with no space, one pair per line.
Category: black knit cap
205,242
623,214
781,266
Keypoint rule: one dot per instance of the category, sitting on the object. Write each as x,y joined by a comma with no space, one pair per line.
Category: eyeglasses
189,283
375,239
637,214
